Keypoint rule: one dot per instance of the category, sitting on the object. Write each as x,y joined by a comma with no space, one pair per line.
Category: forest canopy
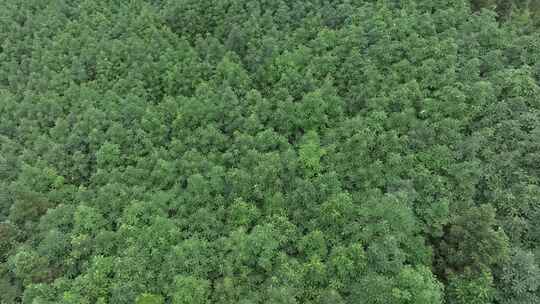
269,151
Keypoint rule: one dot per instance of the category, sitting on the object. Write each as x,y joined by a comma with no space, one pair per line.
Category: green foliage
520,279
472,242
269,151
190,290
471,289
148,298
310,153
525,12
417,286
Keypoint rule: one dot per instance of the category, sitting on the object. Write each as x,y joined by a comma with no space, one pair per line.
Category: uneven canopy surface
243,151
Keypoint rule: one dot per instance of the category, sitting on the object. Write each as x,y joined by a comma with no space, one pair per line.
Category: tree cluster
269,151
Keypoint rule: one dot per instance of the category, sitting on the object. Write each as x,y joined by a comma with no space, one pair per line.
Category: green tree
148,298
310,153
190,290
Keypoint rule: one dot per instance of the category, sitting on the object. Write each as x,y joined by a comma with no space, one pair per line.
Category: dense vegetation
269,151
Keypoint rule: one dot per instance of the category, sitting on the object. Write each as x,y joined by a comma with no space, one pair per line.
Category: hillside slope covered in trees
269,151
